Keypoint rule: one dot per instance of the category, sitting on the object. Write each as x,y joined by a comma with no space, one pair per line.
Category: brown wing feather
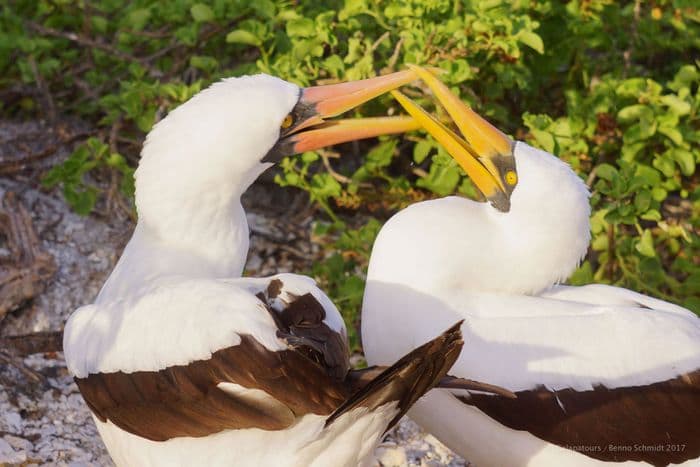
408,379
185,400
657,423
311,376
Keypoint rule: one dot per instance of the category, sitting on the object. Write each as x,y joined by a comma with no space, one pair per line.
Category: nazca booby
184,362
602,374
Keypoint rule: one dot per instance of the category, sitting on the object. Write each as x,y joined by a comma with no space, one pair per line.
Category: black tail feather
409,378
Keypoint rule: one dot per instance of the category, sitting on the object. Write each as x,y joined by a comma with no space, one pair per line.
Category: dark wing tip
453,382
409,378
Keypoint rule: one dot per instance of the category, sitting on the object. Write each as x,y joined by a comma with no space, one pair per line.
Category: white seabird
602,374
184,362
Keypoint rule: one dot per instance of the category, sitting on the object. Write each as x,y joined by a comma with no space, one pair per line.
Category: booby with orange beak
602,374
184,362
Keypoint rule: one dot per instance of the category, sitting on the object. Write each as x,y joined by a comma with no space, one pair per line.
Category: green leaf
651,215
532,40
685,160
606,171
201,12
421,150
323,185
675,103
544,139
645,244
265,8
635,112
309,157
137,19
583,275
204,62
81,201
381,154
672,133
335,66
642,201
303,27
241,36
441,179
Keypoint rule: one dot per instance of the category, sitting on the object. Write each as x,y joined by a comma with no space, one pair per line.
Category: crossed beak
484,152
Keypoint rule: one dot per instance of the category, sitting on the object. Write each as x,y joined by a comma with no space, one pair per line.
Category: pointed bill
310,130
340,131
493,149
460,150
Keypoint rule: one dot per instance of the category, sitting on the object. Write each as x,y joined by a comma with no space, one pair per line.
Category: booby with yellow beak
602,374
184,362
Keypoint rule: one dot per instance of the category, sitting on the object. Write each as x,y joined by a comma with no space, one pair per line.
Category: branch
27,344
89,43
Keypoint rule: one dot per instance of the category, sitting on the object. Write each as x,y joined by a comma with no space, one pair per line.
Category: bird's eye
511,178
287,122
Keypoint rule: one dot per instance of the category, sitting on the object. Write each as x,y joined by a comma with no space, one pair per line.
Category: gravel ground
43,420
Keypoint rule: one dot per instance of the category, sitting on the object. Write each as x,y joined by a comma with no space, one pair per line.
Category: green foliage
340,273
80,194
611,87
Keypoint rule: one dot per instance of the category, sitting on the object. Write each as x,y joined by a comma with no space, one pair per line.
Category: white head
547,229
455,243
210,149
206,152
532,233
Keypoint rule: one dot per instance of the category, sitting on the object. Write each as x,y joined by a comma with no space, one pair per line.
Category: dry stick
50,107
395,55
86,42
378,42
9,359
325,155
113,175
627,54
83,41
610,266
27,344
16,165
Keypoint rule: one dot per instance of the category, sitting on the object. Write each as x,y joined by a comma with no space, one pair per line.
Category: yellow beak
485,153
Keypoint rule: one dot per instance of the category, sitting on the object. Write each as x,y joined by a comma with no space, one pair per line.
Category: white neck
211,241
455,243
195,165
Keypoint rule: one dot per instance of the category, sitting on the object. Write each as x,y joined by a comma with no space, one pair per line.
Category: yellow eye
287,122
511,178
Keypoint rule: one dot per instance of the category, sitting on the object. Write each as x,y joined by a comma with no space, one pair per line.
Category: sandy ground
43,420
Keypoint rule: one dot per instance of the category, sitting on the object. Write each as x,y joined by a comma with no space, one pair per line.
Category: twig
379,41
13,166
113,175
395,55
610,266
33,267
420,172
27,344
591,177
89,43
339,177
50,107
9,359
627,54
83,41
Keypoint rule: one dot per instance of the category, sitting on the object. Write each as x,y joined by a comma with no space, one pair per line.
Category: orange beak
310,130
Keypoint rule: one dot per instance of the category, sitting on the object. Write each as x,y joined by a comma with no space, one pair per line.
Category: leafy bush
611,87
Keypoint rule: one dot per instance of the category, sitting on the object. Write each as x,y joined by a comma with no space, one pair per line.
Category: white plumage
166,356
462,259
